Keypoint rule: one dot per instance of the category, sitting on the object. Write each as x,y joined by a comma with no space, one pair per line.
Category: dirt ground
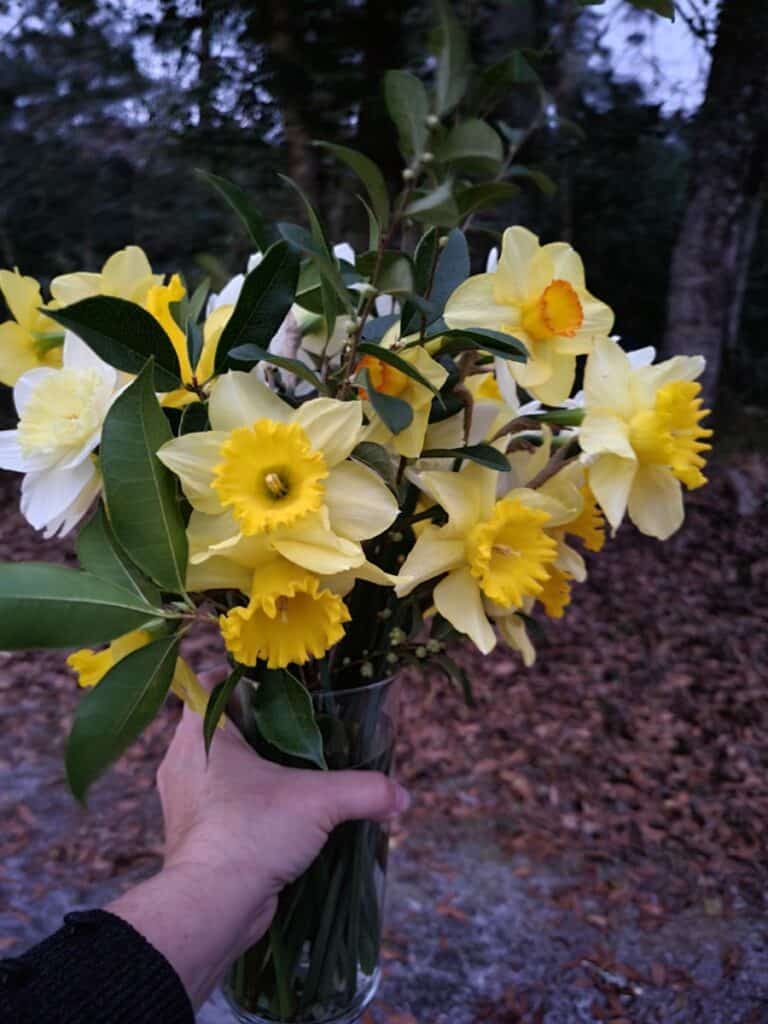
588,844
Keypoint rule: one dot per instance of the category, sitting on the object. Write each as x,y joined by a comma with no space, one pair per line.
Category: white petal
12,457
458,599
641,356
344,251
492,260
74,512
359,502
78,356
25,386
239,399
228,295
46,495
333,427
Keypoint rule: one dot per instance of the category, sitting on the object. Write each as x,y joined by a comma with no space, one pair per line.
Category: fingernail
402,799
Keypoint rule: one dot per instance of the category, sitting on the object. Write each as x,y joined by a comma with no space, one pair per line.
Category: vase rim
376,685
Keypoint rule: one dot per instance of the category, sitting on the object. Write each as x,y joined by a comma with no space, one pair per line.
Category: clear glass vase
319,962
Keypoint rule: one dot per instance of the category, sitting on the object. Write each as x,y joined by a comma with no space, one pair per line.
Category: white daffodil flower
61,414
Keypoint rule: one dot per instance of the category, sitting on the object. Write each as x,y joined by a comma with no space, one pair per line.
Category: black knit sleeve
96,969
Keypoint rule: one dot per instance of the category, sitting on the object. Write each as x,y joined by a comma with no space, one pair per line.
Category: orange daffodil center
385,378
556,313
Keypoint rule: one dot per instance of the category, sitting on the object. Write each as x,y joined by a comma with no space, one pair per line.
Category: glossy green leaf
494,342
496,81
424,265
483,454
239,201
542,181
378,459
392,359
451,270
480,197
45,605
408,106
194,418
139,492
452,73
123,335
472,146
376,327
112,714
99,553
396,414
665,8
265,299
395,270
253,354
285,716
457,675
217,705
436,206
369,174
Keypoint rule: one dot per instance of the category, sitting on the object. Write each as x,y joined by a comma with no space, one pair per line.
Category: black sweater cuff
97,969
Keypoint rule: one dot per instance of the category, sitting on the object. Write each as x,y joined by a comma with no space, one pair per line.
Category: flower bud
432,120
409,174
391,658
428,158
421,652
434,646
366,670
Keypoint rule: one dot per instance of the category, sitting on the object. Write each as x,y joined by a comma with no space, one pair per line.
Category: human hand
238,829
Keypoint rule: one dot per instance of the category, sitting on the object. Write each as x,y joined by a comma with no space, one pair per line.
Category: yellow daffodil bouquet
344,463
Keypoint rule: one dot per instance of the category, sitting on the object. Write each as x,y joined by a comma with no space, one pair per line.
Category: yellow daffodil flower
391,381
29,340
537,294
127,274
493,550
642,437
280,476
289,619
91,667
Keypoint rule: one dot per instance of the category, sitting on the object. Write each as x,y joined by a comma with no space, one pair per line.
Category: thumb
354,795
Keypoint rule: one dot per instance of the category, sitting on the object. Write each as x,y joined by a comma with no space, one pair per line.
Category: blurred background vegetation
106,109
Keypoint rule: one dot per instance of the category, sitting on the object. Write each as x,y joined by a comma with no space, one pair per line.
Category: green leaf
395,273
452,72
45,605
494,342
376,327
542,181
496,81
472,146
139,492
451,270
483,454
285,716
99,553
239,201
408,106
123,335
217,705
437,206
378,459
386,355
457,675
265,299
479,197
394,412
369,174
424,264
194,418
111,716
253,354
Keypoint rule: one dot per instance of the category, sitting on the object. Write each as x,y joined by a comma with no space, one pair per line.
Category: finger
351,796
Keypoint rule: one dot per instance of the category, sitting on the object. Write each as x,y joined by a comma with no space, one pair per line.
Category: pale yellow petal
22,296
610,480
537,369
602,433
432,554
69,288
467,496
359,502
318,548
519,248
239,399
193,458
459,600
333,427
648,379
473,305
17,352
566,264
557,387
515,635
607,379
343,582
127,274
188,688
212,330
219,573
570,561
656,502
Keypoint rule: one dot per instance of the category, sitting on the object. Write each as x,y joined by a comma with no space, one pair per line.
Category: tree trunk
729,161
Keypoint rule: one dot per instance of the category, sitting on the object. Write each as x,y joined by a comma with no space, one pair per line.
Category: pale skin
237,830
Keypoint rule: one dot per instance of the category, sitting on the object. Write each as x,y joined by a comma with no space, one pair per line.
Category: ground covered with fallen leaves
587,844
